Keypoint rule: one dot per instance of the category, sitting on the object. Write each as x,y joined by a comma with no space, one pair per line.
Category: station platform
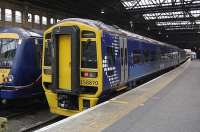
169,103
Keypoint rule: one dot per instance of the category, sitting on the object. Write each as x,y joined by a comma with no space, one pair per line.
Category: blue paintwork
107,40
135,71
25,68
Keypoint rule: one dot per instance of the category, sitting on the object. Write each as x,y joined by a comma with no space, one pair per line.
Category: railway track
12,112
23,113
42,124
28,118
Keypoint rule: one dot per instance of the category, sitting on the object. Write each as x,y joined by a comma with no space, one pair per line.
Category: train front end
72,67
20,65
8,46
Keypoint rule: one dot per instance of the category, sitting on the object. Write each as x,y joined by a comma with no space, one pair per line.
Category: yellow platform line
120,102
122,88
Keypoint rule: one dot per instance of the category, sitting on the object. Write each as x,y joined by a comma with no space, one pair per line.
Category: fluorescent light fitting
102,11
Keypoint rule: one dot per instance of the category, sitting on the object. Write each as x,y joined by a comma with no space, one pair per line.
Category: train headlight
10,78
20,41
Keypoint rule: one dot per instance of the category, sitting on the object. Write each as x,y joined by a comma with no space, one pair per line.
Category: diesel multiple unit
83,60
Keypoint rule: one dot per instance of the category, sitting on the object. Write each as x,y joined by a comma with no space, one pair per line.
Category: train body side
143,59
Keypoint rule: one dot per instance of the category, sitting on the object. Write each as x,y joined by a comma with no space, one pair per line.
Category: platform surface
169,103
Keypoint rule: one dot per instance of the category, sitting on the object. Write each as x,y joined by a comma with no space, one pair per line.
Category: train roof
23,33
109,28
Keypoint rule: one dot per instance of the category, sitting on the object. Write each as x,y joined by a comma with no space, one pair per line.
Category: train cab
20,63
72,70
8,45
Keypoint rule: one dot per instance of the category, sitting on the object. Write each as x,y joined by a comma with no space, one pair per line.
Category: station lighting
197,22
173,23
165,15
131,24
148,28
102,11
136,4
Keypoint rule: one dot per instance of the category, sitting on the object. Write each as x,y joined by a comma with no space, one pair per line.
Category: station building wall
26,15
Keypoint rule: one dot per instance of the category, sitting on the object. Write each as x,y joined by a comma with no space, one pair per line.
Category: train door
64,43
66,63
124,59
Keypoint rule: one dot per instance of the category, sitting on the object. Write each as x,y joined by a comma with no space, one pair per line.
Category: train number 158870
88,82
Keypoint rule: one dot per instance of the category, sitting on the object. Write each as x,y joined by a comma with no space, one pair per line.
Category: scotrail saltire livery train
85,59
20,63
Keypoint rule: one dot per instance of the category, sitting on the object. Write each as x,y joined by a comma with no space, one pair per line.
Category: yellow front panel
53,104
95,82
64,42
3,74
9,36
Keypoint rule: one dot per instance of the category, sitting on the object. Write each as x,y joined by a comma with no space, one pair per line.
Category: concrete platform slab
168,103
176,108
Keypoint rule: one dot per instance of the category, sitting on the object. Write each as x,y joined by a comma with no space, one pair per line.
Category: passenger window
153,56
163,56
136,56
111,56
89,54
146,55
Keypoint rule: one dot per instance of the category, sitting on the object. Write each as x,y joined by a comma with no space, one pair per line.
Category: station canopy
173,21
169,14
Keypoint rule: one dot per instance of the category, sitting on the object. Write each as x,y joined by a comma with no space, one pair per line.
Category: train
84,59
20,64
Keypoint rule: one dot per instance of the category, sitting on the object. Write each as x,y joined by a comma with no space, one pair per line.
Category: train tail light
89,74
